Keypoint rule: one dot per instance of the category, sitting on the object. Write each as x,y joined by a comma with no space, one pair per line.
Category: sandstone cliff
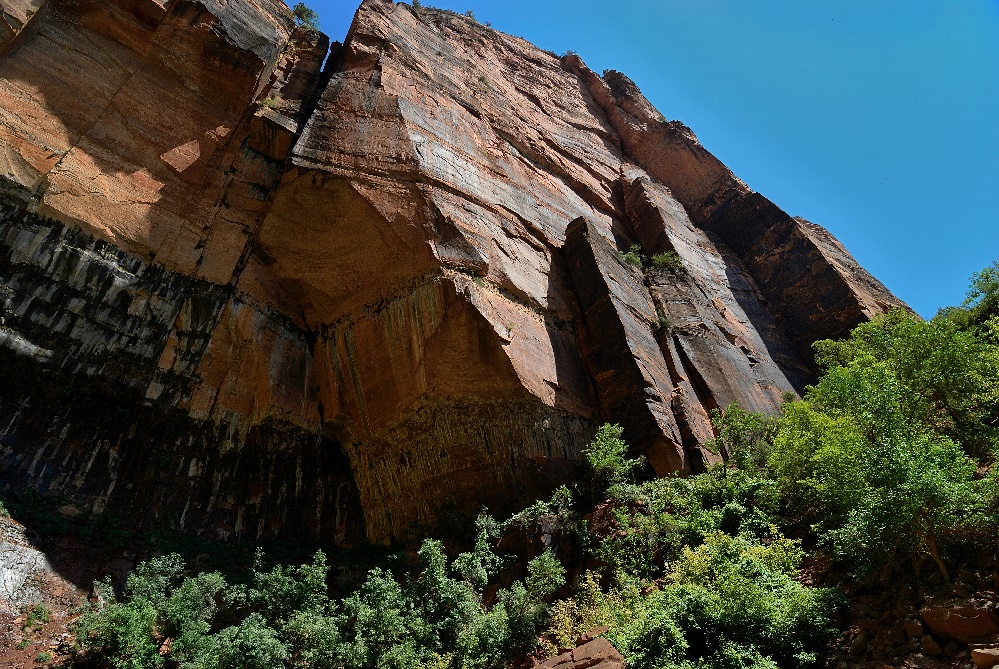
246,294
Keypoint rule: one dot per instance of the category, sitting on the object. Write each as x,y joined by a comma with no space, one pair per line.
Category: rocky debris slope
926,624
245,296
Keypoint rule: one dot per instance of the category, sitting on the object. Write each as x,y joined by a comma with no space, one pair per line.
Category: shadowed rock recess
248,295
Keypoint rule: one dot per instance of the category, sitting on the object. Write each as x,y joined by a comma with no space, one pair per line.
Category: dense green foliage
697,574
884,465
434,619
882,454
718,577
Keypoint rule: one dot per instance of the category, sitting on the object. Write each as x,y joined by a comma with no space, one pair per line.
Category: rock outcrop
247,294
595,654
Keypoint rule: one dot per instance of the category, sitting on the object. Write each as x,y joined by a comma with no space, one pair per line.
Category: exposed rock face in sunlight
248,297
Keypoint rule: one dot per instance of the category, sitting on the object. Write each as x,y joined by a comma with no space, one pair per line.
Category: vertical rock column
633,382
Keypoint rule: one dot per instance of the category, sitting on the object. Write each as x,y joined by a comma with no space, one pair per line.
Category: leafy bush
286,590
729,602
634,257
159,604
876,498
123,634
666,515
665,323
670,261
943,379
982,302
37,615
436,618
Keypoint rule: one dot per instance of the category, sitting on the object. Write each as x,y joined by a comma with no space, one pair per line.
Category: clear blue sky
878,119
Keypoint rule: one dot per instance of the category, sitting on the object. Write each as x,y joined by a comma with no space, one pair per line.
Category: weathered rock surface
245,296
595,654
966,622
985,657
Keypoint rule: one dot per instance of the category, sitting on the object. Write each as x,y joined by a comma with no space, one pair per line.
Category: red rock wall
400,272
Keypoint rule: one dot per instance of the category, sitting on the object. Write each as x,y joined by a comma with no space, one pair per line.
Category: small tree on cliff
305,16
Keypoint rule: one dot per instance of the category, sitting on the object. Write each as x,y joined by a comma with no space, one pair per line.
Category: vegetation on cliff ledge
883,467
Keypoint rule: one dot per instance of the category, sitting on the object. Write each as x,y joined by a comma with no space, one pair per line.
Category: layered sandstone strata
247,296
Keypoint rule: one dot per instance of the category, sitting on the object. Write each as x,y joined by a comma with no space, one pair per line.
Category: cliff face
247,298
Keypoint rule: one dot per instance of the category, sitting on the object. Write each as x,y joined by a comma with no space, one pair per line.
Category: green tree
944,379
526,602
305,17
727,602
634,257
253,644
607,455
868,452
158,604
983,295
742,437
285,590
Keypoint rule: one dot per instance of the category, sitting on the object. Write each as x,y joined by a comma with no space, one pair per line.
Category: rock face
245,294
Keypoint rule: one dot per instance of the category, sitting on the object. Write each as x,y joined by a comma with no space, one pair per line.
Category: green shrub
525,603
665,323
634,257
123,634
37,615
478,566
943,379
252,644
982,301
668,514
728,602
875,449
284,590
669,261
158,604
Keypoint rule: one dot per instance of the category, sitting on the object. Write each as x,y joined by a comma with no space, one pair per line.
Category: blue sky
878,119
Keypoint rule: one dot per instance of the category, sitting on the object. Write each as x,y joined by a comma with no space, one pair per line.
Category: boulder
965,622
984,658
